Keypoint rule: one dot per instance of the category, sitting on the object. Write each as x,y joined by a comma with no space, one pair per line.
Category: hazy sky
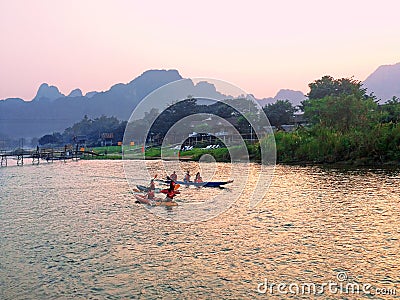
260,46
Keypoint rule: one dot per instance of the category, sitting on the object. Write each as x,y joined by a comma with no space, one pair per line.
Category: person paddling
171,192
198,178
187,177
173,176
150,195
152,186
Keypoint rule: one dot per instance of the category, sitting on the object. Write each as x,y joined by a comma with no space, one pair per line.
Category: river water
73,231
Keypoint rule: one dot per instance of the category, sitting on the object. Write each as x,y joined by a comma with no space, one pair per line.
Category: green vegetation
162,123
108,150
104,157
220,154
91,131
345,126
280,113
378,145
153,152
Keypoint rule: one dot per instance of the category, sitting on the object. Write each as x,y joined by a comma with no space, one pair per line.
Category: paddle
162,180
155,176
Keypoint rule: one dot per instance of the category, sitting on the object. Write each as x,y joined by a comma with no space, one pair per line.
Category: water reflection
73,230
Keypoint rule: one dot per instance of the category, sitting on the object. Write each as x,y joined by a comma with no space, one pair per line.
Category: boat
154,202
144,188
204,184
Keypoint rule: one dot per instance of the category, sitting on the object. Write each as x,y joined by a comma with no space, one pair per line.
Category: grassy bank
115,152
306,146
379,145
107,152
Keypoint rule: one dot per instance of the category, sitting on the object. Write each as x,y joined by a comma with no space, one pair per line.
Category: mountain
51,111
295,97
384,82
75,93
90,94
47,93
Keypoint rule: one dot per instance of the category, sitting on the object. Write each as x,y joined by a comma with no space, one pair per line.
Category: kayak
155,202
205,184
143,188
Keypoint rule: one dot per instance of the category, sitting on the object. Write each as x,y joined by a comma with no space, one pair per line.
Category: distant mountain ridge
75,93
51,111
384,82
47,93
295,97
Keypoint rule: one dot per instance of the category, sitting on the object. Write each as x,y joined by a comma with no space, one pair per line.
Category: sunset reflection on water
73,230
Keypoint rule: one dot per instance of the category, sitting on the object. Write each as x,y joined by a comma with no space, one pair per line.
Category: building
107,138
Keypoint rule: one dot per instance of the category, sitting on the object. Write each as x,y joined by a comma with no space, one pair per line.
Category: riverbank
222,155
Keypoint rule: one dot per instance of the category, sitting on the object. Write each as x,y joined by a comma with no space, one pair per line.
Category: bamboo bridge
47,154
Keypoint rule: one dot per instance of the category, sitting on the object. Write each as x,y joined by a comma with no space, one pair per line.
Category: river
73,231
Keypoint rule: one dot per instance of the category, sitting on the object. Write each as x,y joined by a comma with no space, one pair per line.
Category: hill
295,97
51,111
384,82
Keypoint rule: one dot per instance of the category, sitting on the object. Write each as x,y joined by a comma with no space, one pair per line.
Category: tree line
90,130
345,124
162,122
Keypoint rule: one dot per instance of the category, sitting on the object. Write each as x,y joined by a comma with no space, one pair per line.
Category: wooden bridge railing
48,154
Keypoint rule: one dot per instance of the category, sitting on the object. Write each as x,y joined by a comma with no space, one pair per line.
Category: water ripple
73,231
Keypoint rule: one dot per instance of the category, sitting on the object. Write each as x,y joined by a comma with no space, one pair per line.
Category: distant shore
222,155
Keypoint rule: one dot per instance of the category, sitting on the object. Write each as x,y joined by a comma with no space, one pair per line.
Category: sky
259,46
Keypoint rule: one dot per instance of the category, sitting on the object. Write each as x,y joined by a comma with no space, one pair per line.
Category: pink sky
260,46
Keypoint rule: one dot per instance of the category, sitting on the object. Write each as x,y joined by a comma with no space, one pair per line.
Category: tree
341,112
329,86
280,113
390,111
173,114
34,141
340,104
91,129
54,138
